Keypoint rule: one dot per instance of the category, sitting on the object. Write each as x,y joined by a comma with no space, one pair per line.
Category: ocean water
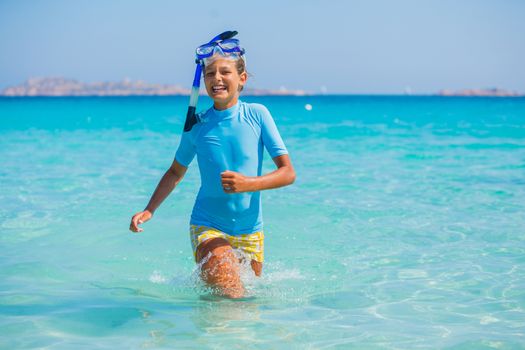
405,228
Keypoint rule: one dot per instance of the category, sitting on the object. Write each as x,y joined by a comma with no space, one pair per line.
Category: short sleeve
271,138
186,151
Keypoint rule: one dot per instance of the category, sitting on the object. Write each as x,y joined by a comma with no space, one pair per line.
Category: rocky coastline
491,92
58,86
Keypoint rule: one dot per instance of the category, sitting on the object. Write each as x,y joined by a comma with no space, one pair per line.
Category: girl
228,140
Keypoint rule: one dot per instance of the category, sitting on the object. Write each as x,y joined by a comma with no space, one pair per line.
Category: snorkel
191,117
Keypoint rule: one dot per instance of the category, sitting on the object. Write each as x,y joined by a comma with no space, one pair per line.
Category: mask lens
229,45
205,49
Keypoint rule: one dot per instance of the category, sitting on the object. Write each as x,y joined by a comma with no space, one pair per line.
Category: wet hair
240,64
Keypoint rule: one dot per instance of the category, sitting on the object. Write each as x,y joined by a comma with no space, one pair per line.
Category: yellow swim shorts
250,245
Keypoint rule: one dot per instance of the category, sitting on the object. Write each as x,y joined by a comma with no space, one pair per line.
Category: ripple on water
411,274
343,300
484,344
95,320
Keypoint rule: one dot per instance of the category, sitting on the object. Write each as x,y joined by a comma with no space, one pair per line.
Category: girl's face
223,82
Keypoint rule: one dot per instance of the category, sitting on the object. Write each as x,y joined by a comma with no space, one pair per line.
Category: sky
363,47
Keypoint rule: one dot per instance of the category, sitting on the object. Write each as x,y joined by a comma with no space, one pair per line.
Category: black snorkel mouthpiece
191,118
226,35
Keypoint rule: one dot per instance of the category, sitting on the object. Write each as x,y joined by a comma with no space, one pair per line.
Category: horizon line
57,86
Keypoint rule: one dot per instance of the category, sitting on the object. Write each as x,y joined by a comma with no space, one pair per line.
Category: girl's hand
138,219
233,182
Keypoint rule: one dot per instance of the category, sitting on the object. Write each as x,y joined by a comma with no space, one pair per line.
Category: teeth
218,88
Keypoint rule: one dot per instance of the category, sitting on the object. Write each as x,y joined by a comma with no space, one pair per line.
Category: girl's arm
169,181
284,175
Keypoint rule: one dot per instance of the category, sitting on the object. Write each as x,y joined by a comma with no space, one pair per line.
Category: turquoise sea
405,228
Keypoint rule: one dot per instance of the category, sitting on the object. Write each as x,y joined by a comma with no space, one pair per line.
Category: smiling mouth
218,88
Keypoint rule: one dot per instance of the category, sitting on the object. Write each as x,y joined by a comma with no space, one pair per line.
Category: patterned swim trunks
250,245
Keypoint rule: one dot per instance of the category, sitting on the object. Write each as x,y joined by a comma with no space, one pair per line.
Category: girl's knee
220,263
220,269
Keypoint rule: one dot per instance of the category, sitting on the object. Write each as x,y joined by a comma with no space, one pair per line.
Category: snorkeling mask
225,48
222,44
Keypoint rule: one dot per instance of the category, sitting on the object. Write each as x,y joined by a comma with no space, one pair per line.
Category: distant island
69,87
58,86
491,92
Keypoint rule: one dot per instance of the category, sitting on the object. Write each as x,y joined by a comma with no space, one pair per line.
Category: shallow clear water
404,229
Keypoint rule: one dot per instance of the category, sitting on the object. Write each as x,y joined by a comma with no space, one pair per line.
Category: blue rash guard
232,139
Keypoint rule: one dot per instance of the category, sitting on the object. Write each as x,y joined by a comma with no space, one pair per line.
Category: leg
252,247
221,269
256,267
